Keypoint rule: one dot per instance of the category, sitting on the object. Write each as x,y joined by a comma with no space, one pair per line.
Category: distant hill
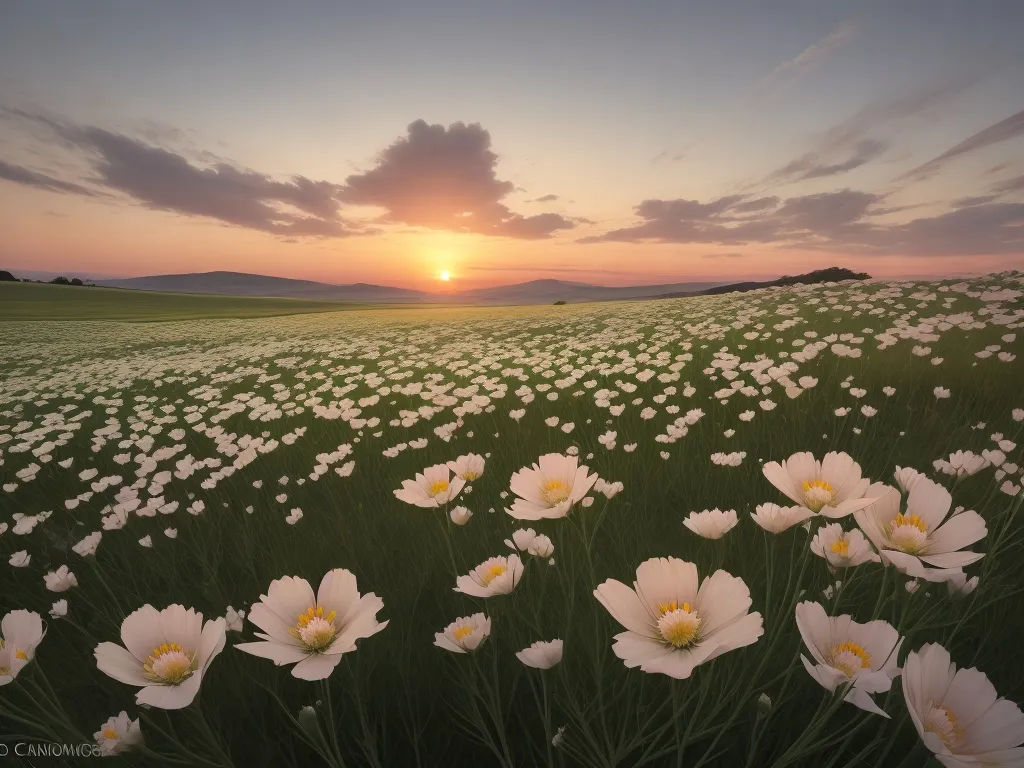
532,292
549,291
829,275
244,284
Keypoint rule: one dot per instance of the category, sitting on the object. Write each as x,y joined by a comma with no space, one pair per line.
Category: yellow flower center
913,520
5,670
942,722
315,629
554,492
110,733
436,487
908,533
21,655
462,632
850,658
169,664
841,547
818,494
469,475
679,624
492,573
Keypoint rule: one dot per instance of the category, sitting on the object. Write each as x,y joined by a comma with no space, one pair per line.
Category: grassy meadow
184,461
44,301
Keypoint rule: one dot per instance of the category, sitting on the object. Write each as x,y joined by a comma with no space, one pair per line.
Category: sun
445,276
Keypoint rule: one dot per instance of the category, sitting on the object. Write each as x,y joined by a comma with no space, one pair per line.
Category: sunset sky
606,142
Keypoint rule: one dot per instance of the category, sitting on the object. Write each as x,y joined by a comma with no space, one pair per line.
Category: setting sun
445,276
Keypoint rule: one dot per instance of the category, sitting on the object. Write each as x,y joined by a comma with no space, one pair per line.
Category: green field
190,446
43,301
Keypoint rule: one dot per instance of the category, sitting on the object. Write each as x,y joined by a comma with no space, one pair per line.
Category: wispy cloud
21,175
811,57
724,255
841,221
1004,130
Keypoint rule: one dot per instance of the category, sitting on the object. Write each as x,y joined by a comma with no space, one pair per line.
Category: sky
492,143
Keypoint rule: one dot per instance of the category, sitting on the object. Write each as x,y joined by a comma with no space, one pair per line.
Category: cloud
445,178
965,202
813,165
1004,130
161,179
1016,184
665,156
21,175
850,144
544,199
844,221
724,255
813,55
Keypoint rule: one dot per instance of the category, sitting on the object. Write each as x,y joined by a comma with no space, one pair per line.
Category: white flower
848,652
294,516
60,580
20,632
832,487
609,490
918,537
550,488
521,539
842,549
20,559
88,545
146,541
958,714
313,631
460,515
959,585
541,546
711,523
59,609
495,576
941,393
961,464
672,625
433,488
171,533
776,519
119,734
168,652
728,459
465,634
747,415
907,477
543,654
468,467
234,620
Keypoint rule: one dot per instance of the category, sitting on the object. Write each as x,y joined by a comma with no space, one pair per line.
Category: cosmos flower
550,488
842,549
776,519
961,464
832,487
958,714
467,468
711,523
847,652
433,488
60,580
920,541
20,632
495,576
119,734
464,635
543,654
166,654
672,625
313,631
460,515
541,546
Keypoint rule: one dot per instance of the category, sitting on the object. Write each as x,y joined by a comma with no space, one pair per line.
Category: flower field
777,528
